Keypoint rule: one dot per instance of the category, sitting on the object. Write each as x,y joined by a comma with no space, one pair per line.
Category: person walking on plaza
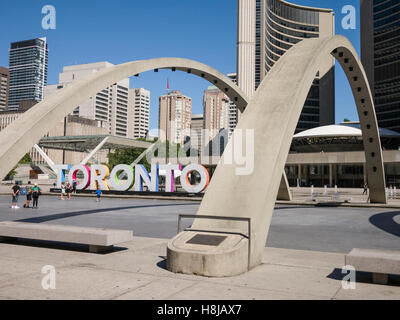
74,184
35,195
15,195
365,189
68,190
62,191
98,194
28,195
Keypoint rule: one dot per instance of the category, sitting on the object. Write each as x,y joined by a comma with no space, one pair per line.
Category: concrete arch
273,113
36,122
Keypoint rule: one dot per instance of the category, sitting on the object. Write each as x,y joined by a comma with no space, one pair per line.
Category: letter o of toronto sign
204,178
86,176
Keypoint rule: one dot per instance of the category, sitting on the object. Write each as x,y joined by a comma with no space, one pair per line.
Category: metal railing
195,216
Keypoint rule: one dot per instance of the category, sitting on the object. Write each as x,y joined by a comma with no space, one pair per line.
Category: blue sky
123,30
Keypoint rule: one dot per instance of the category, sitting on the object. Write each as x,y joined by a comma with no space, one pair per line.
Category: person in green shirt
28,195
35,195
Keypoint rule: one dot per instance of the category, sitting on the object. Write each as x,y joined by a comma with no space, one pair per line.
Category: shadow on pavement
385,221
362,277
57,216
56,245
163,263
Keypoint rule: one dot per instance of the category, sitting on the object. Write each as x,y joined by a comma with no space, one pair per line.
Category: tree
126,156
25,160
346,120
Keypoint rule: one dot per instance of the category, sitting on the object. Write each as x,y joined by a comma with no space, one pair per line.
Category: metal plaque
207,240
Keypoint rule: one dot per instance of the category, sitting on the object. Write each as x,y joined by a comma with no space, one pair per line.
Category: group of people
68,189
32,192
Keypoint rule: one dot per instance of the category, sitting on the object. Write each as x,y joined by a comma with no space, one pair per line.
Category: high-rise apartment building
380,55
216,106
109,106
4,88
139,105
175,115
274,27
28,71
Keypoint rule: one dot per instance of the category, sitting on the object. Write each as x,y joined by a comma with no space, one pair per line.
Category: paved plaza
326,229
302,260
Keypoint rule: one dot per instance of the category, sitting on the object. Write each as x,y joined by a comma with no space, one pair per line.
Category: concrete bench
99,240
380,262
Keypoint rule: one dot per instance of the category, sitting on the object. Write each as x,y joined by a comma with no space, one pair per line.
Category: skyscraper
110,106
216,109
276,26
4,88
28,71
139,105
233,111
196,132
175,116
380,55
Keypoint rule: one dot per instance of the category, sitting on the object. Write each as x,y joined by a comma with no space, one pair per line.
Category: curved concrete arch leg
284,91
284,190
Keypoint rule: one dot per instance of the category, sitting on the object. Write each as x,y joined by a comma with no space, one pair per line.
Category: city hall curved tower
380,54
277,26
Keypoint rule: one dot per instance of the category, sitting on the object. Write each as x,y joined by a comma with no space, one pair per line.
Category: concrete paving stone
89,283
303,258
20,293
212,291
13,269
291,279
366,291
148,261
37,251
160,289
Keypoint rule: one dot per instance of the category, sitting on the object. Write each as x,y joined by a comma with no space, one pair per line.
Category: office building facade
275,27
216,106
28,71
380,55
139,106
196,132
175,116
233,111
4,88
109,106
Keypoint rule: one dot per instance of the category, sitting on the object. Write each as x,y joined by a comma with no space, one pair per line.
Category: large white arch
17,139
273,113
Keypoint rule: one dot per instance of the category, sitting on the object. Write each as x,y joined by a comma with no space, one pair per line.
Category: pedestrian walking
35,196
68,190
365,189
74,184
15,195
28,195
98,194
62,190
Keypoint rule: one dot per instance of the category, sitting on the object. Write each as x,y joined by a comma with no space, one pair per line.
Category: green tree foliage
126,156
26,159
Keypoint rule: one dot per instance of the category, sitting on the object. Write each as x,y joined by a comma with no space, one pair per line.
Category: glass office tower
28,71
380,55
